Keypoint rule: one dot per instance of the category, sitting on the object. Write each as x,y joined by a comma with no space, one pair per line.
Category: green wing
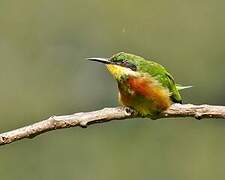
175,96
163,77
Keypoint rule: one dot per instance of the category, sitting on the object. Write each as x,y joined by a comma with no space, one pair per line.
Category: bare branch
105,115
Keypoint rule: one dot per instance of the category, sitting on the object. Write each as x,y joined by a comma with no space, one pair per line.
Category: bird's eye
129,65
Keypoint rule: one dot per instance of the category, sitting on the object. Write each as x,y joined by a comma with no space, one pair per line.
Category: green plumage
144,85
157,71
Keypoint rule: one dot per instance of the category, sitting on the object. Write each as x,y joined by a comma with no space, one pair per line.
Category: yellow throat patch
118,71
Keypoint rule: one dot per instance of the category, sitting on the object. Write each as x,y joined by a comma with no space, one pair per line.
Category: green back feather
155,70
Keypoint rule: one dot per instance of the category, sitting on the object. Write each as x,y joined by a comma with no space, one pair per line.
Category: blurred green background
43,71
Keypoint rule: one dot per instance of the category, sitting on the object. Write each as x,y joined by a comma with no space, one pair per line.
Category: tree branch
105,115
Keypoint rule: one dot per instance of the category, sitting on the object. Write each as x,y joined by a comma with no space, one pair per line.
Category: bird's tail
180,87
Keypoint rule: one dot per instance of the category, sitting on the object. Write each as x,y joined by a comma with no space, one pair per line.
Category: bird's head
121,64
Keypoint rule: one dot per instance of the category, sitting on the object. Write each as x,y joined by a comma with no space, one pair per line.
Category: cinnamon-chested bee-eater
144,85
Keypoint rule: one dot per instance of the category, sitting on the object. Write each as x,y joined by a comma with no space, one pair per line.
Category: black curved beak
101,60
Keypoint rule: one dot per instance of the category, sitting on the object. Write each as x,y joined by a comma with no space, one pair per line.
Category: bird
144,85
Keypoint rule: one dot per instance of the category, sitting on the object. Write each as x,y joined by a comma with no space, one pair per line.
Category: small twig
105,115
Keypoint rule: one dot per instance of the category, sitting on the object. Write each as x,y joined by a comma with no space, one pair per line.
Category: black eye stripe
132,67
127,64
